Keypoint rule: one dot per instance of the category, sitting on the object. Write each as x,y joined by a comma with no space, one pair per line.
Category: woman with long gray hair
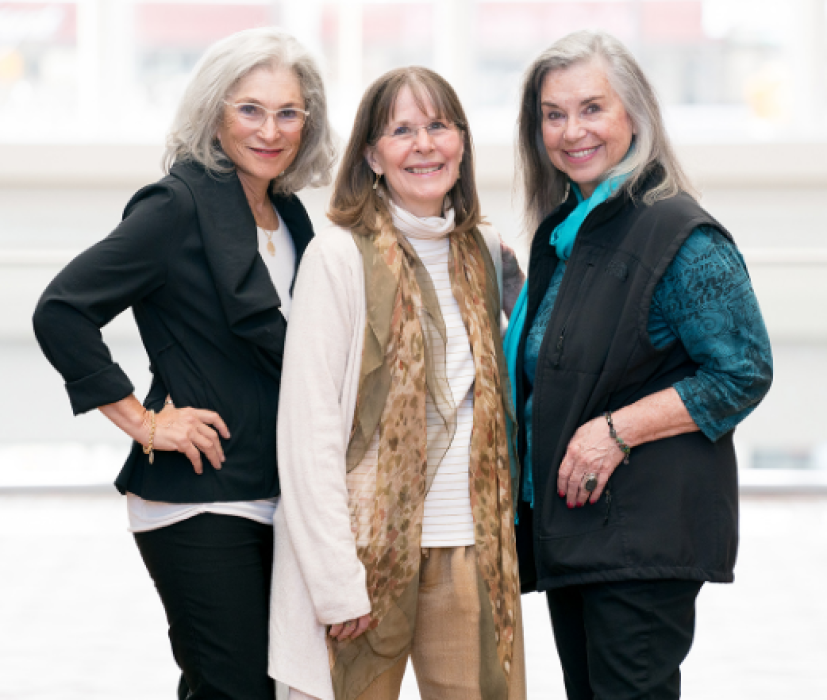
205,258
635,348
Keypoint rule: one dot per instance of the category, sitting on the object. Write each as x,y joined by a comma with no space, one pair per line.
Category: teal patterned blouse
706,301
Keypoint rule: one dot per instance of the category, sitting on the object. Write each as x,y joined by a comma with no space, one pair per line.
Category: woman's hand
191,431
591,451
350,629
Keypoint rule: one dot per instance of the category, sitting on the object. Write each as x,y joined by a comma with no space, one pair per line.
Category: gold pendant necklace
271,247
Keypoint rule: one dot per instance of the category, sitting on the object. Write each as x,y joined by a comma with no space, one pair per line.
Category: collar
425,228
228,232
565,233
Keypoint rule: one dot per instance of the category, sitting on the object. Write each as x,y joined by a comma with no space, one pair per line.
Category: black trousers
213,575
624,640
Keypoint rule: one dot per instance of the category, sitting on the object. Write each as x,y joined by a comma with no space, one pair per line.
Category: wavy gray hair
544,186
192,135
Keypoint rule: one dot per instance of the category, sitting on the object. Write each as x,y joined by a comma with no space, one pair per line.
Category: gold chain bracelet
149,449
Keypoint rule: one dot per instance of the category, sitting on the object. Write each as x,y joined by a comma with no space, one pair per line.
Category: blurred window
38,64
787,459
114,69
396,34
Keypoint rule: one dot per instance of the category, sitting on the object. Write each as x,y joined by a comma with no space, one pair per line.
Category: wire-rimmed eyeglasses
407,133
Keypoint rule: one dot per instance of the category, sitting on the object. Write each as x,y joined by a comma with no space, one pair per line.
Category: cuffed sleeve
100,283
706,301
85,393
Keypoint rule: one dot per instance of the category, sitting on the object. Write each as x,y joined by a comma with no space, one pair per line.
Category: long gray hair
193,133
544,186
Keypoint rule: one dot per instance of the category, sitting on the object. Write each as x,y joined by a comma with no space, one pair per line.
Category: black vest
672,512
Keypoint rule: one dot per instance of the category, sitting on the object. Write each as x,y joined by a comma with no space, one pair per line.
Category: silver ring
590,482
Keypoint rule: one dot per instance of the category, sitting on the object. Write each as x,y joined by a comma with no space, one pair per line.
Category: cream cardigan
318,579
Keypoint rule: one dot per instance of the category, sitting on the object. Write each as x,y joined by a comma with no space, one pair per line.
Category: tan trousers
445,652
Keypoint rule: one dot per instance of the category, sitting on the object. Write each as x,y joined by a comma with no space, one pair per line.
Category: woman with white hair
205,258
636,347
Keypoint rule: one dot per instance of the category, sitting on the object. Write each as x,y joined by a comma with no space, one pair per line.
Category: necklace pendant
271,247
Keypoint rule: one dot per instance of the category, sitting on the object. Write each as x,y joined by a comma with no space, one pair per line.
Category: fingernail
562,494
570,505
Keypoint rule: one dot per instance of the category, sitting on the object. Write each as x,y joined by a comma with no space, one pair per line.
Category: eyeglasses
437,130
288,119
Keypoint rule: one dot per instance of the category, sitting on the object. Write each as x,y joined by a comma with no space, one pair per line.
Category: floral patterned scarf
402,365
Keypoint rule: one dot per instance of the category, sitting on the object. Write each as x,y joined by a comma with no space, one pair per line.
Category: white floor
79,619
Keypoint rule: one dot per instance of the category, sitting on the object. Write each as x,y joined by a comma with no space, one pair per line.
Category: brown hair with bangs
355,205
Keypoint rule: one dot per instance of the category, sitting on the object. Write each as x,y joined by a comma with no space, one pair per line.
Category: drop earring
376,181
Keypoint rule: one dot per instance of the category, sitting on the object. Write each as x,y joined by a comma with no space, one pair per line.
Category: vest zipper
558,348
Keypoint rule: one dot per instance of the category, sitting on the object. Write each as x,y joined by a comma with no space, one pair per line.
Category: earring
376,182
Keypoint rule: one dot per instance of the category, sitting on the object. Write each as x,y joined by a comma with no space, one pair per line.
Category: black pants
213,575
624,640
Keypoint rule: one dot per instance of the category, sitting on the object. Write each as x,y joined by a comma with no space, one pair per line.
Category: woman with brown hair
398,537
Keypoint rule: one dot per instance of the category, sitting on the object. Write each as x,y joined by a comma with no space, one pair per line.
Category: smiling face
586,130
419,155
261,153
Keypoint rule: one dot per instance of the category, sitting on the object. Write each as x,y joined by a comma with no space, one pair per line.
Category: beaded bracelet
149,448
624,448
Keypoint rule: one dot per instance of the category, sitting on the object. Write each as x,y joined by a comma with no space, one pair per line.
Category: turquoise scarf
562,238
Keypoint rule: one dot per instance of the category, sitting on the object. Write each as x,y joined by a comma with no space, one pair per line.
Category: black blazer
185,259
